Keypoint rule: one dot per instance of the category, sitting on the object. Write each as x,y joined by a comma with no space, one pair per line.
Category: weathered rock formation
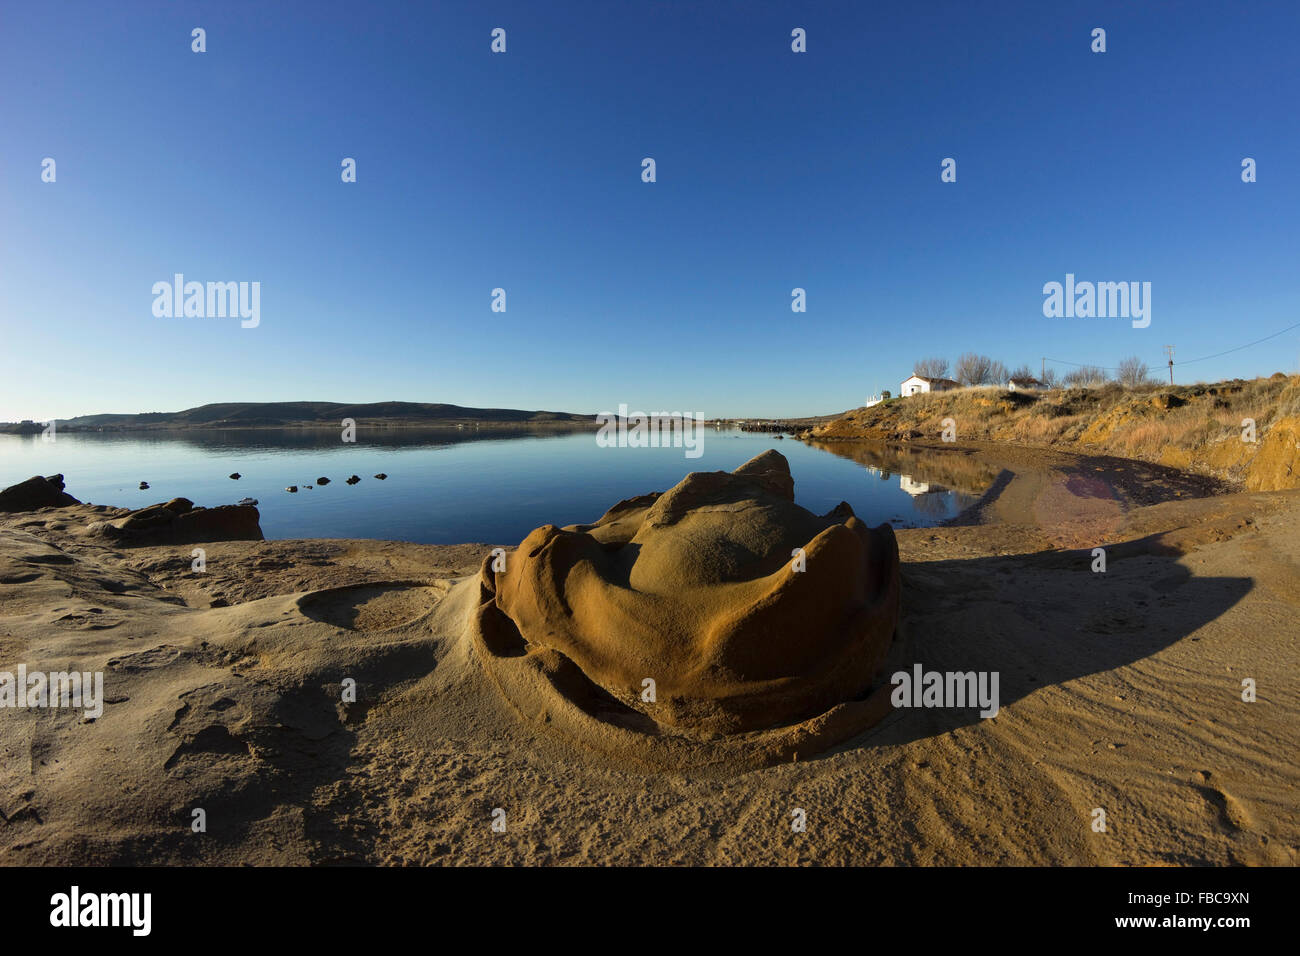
179,522
747,611
36,492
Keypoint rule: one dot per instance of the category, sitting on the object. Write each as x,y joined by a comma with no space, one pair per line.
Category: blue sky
522,170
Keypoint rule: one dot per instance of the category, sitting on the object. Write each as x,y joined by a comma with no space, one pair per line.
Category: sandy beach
1119,690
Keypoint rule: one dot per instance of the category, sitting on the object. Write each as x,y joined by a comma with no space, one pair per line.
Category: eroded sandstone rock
746,610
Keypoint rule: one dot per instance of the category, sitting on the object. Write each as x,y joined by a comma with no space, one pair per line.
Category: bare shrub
931,368
1133,372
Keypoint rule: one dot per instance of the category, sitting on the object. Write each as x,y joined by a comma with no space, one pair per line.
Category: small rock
322,481
381,476
353,480
292,489
236,476
144,486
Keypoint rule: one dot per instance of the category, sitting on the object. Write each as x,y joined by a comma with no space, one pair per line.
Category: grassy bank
1197,428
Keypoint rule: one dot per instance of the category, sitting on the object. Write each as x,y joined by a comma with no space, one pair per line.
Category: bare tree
1133,372
997,374
1085,375
1050,378
1023,371
931,368
975,369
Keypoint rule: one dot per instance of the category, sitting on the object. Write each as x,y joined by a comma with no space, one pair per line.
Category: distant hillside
269,414
1200,428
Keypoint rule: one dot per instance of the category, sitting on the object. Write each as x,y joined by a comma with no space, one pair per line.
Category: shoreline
467,425
1246,433
221,692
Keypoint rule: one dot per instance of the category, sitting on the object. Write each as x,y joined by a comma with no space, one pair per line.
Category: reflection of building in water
927,498
912,487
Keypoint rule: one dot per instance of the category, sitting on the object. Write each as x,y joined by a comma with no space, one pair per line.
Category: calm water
447,487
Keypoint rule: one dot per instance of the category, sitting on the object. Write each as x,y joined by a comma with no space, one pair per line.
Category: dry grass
1197,427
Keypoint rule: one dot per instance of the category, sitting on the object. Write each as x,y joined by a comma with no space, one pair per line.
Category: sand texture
1119,690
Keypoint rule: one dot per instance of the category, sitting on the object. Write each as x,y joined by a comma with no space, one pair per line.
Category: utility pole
1042,376
1169,350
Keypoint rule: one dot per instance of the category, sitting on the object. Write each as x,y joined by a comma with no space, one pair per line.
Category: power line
1104,368
1240,347
1202,358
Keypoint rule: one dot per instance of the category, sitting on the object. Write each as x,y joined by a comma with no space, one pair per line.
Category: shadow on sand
1044,619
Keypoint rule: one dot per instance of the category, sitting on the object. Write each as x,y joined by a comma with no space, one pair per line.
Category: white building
918,384
913,488
1025,384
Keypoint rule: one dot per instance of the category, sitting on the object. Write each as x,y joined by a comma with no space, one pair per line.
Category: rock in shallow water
36,492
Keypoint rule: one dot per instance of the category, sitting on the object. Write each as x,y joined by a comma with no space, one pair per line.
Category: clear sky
522,170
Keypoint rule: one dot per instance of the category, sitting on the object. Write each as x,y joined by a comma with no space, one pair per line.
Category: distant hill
266,414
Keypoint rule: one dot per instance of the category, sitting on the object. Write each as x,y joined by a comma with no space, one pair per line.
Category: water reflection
311,439
449,485
940,484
